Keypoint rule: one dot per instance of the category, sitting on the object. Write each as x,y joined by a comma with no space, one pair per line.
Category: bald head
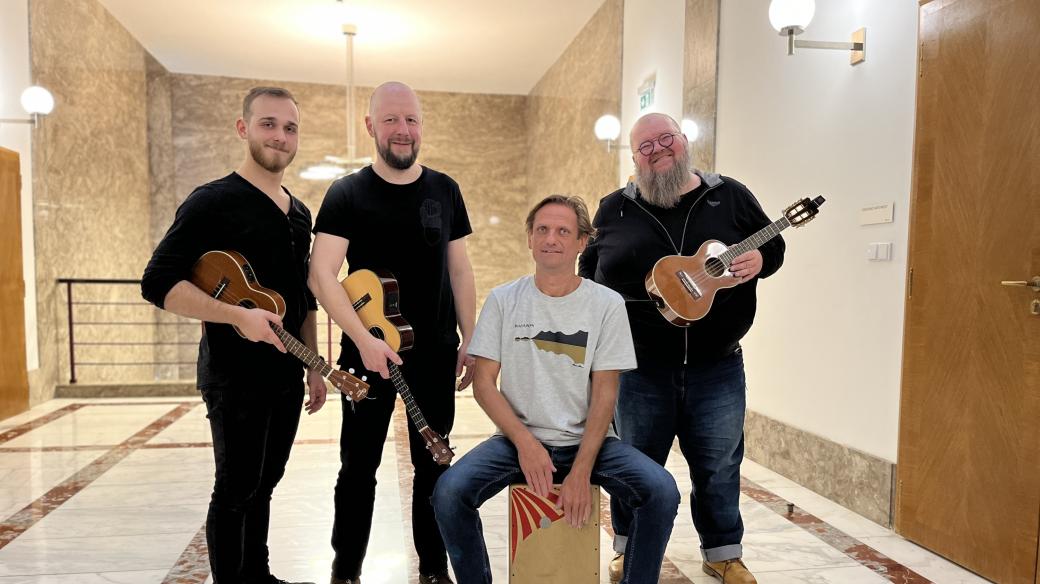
389,92
655,123
395,121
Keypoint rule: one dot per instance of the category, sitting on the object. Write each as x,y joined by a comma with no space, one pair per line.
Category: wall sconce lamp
791,17
608,128
36,101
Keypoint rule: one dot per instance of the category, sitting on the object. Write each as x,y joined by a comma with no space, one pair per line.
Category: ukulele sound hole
714,267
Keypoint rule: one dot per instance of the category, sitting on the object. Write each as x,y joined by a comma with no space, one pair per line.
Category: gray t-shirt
548,348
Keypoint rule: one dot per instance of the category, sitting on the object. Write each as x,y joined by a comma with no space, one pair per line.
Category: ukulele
683,287
228,277
376,297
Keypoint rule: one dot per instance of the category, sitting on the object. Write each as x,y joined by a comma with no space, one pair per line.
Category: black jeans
253,430
430,375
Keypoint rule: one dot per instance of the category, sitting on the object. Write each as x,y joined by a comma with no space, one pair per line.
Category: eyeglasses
665,140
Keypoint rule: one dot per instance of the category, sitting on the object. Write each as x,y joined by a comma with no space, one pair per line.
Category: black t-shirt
404,229
232,214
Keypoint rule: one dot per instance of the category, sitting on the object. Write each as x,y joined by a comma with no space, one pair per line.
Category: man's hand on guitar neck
746,265
375,353
255,325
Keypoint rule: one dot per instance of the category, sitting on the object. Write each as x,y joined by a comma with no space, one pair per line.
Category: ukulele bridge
687,283
221,286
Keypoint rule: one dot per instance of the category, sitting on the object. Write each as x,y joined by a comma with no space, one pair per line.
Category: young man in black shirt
252,387
403,217
690,381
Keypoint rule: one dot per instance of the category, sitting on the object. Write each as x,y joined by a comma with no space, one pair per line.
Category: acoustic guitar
376,297
228,277
683,287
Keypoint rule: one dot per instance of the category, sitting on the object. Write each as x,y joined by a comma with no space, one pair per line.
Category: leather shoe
336,580
441,578
729,571
616,568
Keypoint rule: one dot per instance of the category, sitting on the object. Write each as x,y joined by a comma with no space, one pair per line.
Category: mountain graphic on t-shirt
572,346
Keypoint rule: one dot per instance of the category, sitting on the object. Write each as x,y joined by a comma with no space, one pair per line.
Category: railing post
72,340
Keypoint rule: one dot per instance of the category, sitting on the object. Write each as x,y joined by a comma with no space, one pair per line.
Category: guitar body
377,300
228,277
684,287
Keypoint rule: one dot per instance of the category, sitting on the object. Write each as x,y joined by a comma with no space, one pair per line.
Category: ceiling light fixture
337,166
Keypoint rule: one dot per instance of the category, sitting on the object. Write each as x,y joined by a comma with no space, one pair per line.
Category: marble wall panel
853,479
564,156
700,77
477,139
90,167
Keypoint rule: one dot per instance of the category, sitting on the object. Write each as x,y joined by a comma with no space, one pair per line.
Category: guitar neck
302,352
406,394
755,241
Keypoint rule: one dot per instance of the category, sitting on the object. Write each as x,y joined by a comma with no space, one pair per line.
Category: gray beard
665,189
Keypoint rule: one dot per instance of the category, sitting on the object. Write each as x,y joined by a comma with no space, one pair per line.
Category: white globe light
608,128
795,14
690,129
37,100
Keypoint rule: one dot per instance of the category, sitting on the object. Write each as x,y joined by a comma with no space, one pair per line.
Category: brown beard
395,161
665,189
270,164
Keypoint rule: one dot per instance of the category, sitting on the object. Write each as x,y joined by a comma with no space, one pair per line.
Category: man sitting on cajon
560,343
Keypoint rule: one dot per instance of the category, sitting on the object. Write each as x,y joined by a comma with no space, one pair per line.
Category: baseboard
164,389
856,480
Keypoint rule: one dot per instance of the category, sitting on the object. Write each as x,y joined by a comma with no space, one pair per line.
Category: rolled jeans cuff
720,554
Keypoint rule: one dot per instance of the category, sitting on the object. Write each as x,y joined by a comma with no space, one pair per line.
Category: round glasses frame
665,140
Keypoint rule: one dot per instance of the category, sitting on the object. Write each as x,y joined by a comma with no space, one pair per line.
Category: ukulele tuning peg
364,378
350,371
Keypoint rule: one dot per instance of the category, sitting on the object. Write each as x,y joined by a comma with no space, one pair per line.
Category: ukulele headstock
356,389
803,211
437,445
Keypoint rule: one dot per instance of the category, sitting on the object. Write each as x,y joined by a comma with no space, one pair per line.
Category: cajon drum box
543,547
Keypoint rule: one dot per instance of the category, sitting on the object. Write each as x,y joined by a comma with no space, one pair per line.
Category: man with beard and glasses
252,387
690,381
408,219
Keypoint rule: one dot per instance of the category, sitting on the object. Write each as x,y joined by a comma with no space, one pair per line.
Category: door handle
1034,283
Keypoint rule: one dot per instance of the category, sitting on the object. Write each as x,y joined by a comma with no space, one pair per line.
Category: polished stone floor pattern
115,491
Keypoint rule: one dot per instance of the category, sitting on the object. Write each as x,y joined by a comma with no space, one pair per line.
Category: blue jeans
646,487
704,407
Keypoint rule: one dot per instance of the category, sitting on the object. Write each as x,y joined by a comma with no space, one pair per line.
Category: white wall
14,78
825,352
653,42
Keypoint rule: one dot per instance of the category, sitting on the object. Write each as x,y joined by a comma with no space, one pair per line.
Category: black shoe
441,578
336,580
274,580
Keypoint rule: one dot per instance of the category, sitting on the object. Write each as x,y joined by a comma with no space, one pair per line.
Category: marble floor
115,490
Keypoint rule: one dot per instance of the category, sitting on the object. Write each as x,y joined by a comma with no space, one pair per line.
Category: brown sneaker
729,571
616,568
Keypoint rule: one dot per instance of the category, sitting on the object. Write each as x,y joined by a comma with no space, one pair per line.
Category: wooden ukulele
228,277
683,287
376,298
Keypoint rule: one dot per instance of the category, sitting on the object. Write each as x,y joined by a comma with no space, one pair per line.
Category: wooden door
14,384
969,439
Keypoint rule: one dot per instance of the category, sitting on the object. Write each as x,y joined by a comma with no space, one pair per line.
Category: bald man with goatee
690,380
400,216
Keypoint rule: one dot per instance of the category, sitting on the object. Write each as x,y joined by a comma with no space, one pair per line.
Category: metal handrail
72,323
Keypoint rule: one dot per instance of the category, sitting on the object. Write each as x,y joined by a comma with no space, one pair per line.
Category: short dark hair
576,204
247,103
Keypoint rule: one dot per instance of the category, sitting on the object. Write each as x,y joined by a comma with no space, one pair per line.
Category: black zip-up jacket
631,237
232,214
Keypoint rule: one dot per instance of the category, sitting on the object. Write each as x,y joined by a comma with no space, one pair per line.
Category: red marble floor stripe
193,565
16,524
867,556
12,433
405,477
